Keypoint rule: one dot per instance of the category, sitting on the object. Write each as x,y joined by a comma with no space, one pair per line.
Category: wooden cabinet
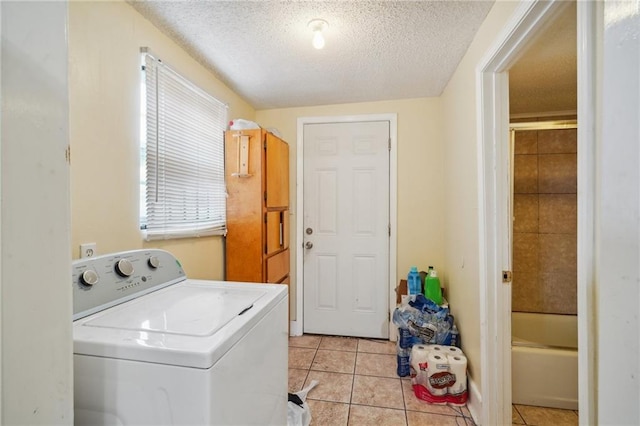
257,179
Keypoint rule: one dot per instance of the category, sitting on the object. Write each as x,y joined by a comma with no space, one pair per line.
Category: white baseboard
474,403
295,328
393,332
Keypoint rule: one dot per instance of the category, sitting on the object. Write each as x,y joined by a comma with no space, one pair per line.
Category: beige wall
104,109
420,175
461,186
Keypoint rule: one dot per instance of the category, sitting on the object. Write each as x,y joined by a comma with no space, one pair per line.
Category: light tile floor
358,385
542,416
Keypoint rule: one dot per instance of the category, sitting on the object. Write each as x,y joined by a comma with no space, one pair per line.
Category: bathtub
544,360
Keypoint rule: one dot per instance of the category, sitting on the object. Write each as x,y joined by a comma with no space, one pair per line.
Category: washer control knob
154,262
89,277
124,268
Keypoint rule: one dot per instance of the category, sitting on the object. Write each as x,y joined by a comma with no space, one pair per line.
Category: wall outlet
88,250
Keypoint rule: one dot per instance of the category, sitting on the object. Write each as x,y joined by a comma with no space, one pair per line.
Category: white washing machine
152,347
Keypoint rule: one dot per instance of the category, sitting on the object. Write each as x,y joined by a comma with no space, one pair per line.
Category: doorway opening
544,211
544,324
529,20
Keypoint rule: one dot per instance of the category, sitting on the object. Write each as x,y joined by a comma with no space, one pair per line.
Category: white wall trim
494,189
474,403
587,89
1,141
392,118
295,327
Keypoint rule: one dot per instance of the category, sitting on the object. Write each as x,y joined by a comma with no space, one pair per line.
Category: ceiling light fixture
317,26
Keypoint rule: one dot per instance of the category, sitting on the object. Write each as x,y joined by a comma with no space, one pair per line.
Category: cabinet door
244,241
277,231
277,172
277,267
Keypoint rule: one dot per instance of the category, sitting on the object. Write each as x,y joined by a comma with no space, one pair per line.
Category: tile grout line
519,413
404,403
353,380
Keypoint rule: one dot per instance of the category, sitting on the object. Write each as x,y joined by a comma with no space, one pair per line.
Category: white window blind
182,184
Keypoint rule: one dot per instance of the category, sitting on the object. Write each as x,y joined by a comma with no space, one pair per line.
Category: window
182,191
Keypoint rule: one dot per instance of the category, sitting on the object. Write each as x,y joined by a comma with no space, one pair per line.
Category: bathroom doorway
493,171
543,176
544,323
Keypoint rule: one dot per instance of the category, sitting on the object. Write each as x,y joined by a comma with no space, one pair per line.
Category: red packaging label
442,380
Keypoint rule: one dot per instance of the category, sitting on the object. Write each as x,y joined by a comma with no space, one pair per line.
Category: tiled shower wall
545,221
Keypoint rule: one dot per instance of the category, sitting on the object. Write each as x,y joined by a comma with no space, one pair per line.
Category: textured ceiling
545,78
375,50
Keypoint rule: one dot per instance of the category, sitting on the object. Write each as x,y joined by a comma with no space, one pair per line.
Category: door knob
308,245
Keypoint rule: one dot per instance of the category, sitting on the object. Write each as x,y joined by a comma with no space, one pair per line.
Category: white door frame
493,188
297,325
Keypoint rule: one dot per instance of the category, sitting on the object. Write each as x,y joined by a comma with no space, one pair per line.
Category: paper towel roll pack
439,374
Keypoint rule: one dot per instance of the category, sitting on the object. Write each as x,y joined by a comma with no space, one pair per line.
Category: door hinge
389,144
265,218
389,228
265,195
506,276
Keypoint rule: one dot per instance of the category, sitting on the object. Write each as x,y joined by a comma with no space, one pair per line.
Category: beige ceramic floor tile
375,346
296,379
335,387
465,411
465,421
301,357
377,365
542,416
336,361
415,418
337,343
516,419
325,413
305,341
367,416
411,402
377,392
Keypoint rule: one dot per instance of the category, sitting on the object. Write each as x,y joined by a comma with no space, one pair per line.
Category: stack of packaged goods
439,374
424,324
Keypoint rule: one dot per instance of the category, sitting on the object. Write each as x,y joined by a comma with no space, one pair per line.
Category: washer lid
191,324
189,311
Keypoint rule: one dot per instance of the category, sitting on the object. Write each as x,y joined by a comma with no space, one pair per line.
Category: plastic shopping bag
298,412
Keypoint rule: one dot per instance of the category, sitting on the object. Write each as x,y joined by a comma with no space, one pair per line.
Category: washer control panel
104,281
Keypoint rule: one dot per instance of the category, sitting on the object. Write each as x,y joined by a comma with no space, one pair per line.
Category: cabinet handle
281,229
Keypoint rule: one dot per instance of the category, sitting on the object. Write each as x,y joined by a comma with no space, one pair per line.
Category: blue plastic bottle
455,336
403,369
413,281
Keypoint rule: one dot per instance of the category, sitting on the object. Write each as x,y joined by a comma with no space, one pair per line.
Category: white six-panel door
346,228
